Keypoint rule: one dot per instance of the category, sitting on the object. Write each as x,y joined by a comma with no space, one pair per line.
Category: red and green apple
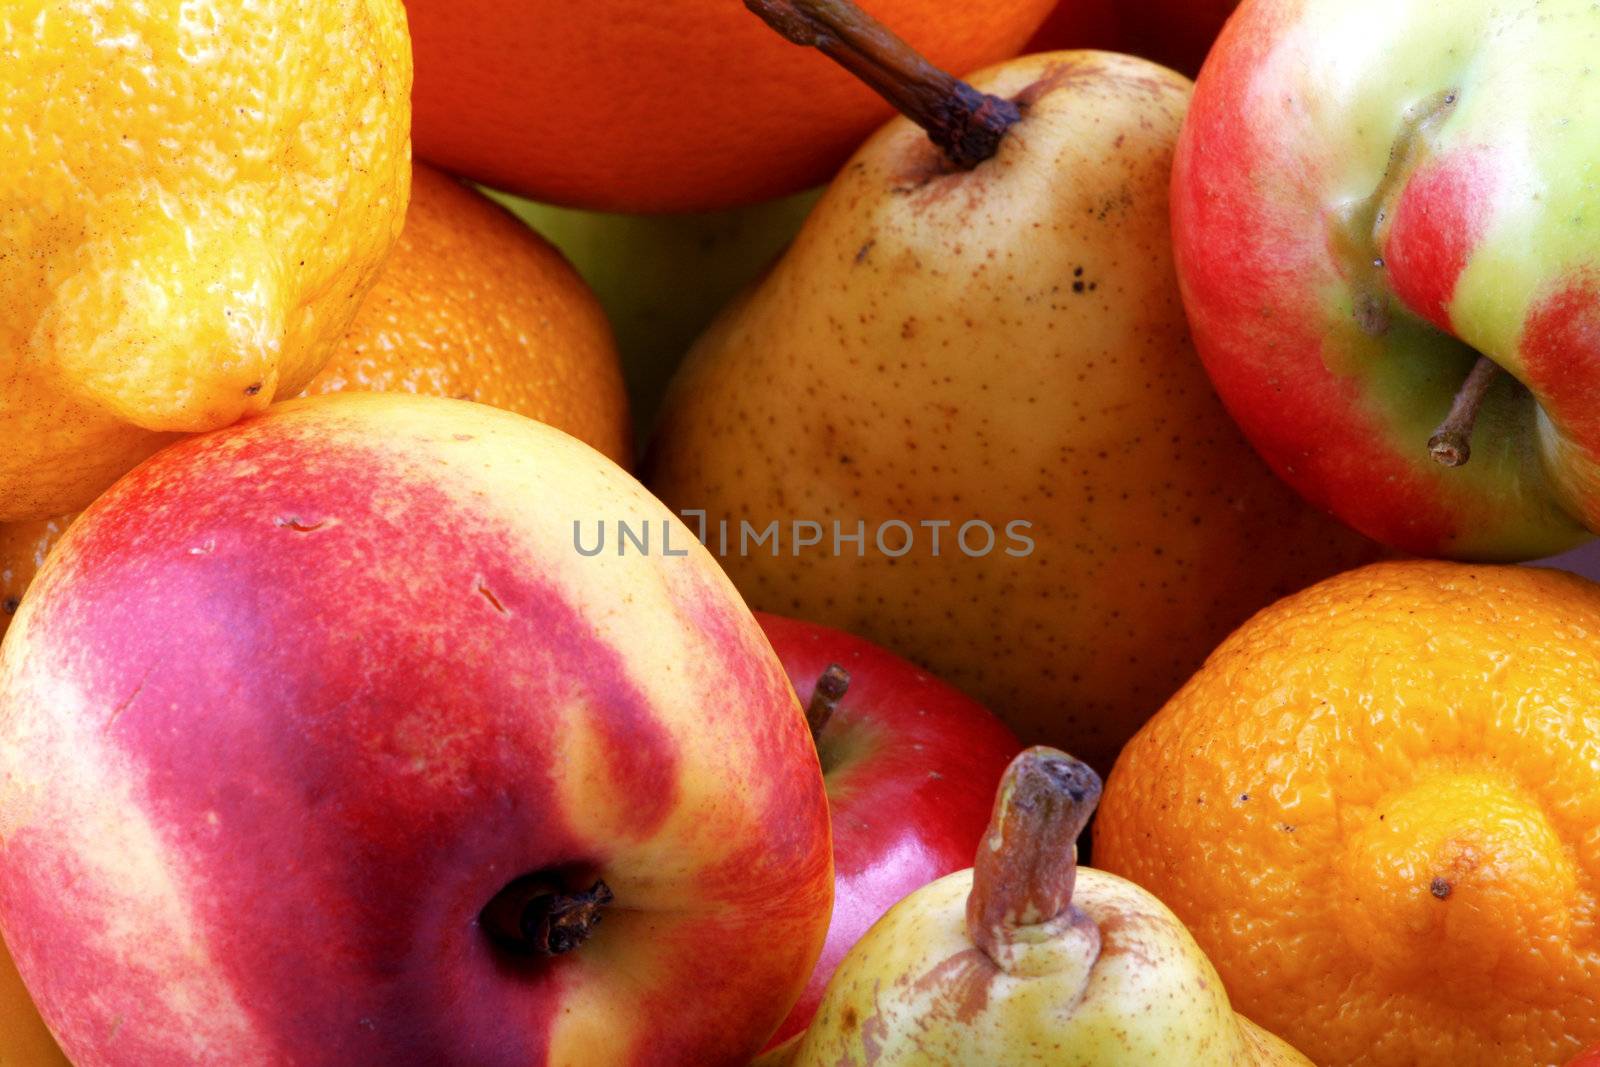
1387,226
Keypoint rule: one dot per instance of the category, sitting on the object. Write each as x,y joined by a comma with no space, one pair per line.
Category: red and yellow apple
321,743
911,765
1386,218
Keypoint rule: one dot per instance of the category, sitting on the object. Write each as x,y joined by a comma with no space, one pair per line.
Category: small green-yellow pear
1029,959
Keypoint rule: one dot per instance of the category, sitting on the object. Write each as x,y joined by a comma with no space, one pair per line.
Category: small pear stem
1451,443
966,124
831,687
1027,862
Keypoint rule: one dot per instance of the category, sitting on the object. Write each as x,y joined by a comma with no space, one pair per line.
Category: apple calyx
1451,443
536,916
831,687
1027,862
967,125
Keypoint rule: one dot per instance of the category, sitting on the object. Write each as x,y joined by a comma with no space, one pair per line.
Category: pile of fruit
710,645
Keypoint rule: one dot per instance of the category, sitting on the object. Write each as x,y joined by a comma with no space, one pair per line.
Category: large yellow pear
977,348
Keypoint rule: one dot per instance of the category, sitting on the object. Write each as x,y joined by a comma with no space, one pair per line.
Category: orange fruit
1376,808
22,549
471,304
25,1041
638,105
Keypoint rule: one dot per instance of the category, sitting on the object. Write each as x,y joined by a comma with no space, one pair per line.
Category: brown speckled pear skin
1005,343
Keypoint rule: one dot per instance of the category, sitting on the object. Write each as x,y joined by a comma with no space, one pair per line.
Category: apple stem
1451,443
1027,862
966,124
534,916
825,698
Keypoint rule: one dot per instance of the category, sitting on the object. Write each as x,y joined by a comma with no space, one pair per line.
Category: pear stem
825,698
1027,862
1451,443
967,125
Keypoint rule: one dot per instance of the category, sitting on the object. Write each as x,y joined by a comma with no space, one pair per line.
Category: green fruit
661,278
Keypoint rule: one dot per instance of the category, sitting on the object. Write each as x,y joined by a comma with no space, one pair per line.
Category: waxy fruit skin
1367,195
911,765
294,701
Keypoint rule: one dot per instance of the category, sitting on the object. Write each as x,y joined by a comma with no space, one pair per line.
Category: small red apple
911,765
1074,24
1177,33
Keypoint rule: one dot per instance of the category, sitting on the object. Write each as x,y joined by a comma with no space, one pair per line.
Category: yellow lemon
194,195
